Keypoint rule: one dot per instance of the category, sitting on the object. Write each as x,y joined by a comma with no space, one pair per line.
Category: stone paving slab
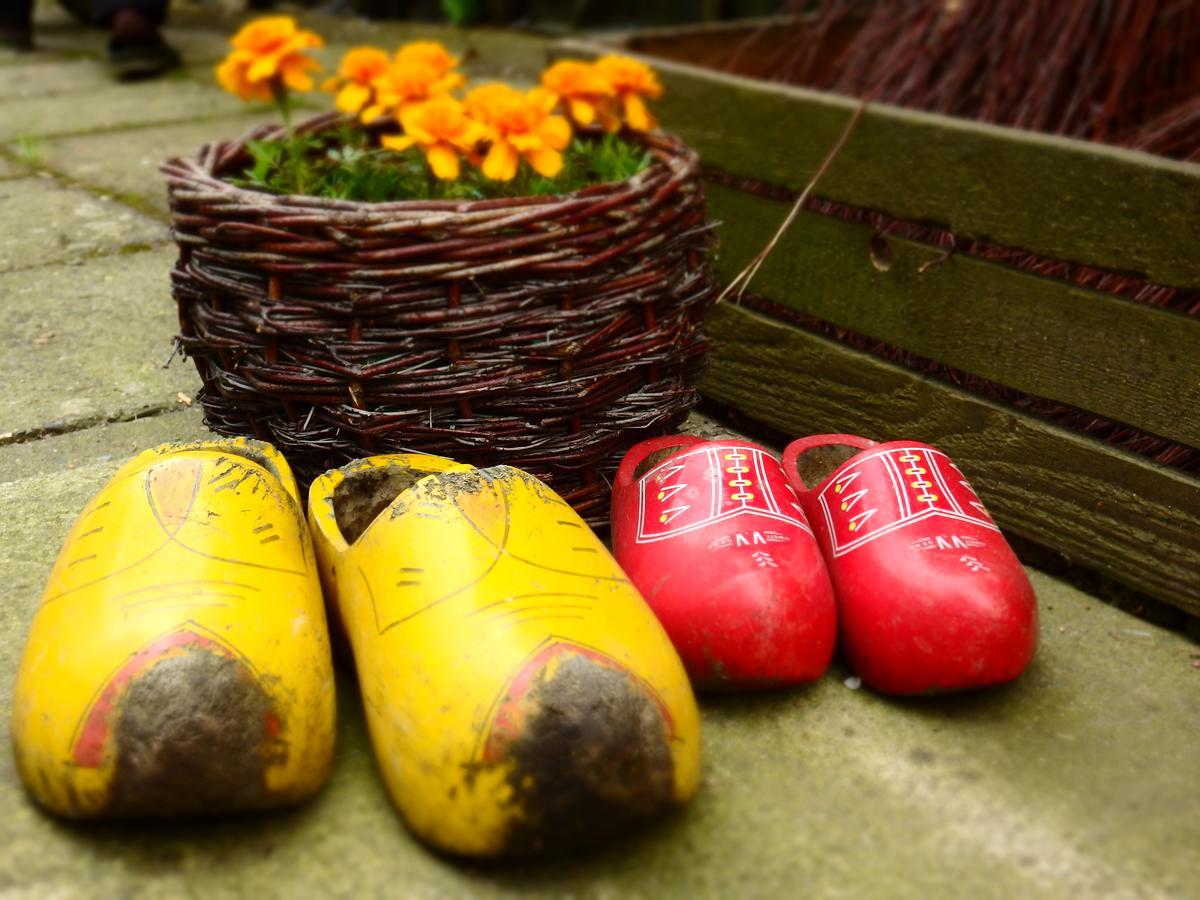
115,105
40,77
126,163
43,222
81,344
1079,780
10,57
101,443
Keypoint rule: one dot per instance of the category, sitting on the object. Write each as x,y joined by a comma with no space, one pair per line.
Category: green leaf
460,12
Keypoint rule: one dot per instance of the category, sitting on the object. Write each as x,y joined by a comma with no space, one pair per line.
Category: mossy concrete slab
42,76
1079,780
80,344
114,106
43,222
126,163
10,169
10,57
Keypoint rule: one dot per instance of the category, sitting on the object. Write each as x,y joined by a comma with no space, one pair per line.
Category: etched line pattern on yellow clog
520,694
179,662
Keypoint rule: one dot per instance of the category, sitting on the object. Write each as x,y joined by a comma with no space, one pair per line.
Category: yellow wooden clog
179,663
521,696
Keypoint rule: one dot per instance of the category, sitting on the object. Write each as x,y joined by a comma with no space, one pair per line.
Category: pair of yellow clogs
520,695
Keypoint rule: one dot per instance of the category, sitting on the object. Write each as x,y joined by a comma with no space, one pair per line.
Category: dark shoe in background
136,50
15,38
16,26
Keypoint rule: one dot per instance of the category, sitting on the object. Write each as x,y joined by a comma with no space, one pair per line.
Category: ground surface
1080,780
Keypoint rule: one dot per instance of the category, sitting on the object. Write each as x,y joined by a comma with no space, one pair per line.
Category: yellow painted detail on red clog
520,694
179,661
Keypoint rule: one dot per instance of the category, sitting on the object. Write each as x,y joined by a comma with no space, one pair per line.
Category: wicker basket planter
550,333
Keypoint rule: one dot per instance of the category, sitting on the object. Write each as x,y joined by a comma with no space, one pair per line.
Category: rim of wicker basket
203,175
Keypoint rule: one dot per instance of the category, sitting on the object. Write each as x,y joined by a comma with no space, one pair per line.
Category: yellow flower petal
473,133
583,112
229,75
447,83
628,75
373,112
543,100
361,64
397,142
263,68
352,98
573,77
430,53
636,115
501,162
264,33
555,131
411,122
443,160
545,161
525,142
294,74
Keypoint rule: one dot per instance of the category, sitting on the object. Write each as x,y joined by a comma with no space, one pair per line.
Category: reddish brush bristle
1123,71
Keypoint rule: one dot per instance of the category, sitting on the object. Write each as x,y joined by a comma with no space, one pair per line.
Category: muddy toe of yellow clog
179,662
522,698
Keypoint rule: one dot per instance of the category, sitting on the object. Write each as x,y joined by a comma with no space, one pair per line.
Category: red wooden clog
714,538
930,596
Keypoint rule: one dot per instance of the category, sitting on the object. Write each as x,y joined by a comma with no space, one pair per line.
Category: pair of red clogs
754,573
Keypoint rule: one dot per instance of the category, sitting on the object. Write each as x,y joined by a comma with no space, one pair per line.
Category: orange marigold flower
582,89
268,54
405,82
359,67
519,125
442,129
431,53
631,81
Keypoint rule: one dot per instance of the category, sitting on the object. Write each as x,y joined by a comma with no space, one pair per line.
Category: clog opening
653,459
818,463
364,494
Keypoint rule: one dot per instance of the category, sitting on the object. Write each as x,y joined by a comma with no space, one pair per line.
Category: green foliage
30,150
460,12
344,165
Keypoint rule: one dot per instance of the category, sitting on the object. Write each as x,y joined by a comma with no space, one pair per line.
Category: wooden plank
1122,360
1135,521
1066,199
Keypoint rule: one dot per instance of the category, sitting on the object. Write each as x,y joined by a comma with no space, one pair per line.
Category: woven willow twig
549,333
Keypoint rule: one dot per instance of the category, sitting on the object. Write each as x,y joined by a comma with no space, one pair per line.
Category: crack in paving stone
52,429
